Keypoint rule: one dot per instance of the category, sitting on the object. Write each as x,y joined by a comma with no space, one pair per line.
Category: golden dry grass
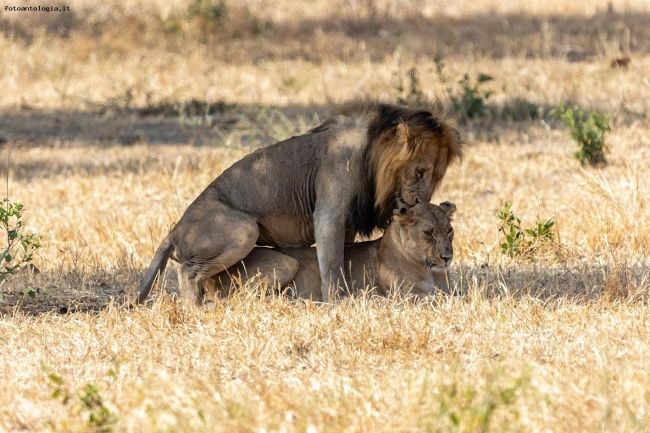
469,364
554,342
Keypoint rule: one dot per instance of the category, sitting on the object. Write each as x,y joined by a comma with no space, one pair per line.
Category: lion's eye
430,236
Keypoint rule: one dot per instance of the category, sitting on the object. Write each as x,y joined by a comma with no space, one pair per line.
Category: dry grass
139,54
467,364
106,156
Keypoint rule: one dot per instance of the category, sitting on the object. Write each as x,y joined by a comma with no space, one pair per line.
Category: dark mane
380,118
363,218
389,116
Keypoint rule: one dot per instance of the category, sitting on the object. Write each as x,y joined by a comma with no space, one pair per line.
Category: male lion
337,180
413,257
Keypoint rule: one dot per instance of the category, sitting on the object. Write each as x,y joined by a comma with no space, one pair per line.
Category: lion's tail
156,267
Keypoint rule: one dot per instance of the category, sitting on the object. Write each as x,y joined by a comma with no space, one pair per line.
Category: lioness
412,257
337,180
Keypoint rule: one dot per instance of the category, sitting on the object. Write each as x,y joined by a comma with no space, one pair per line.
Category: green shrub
88,402
469,103
208,10
588,130
20,246
404,96
518,241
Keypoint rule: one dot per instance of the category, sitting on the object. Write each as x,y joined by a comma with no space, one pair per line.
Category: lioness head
426,233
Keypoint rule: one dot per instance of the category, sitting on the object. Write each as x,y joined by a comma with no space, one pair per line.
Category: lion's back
276,185
266,178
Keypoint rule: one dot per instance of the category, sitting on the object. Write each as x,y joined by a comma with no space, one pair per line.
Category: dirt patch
65,292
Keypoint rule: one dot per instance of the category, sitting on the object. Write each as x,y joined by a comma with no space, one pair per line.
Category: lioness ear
403,216
401,209
448,208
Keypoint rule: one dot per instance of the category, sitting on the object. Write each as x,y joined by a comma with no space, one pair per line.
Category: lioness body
412,257
339,179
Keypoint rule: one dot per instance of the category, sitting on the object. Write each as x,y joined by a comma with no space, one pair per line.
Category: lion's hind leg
228,239
189,286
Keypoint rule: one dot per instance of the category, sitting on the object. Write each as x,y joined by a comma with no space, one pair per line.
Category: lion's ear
448,208
402,134
456,136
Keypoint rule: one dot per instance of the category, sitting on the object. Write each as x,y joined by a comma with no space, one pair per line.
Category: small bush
33,292
20,246
520,110
518,241
469,103
588,130
88,401
208,10
466,407
208,17
100,418
404,96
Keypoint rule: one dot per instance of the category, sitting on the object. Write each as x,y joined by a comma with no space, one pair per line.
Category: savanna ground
115,116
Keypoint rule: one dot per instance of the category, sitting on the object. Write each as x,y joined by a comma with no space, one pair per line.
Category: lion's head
408,152
426,234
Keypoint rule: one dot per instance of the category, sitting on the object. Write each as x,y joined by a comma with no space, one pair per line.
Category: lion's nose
447,259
